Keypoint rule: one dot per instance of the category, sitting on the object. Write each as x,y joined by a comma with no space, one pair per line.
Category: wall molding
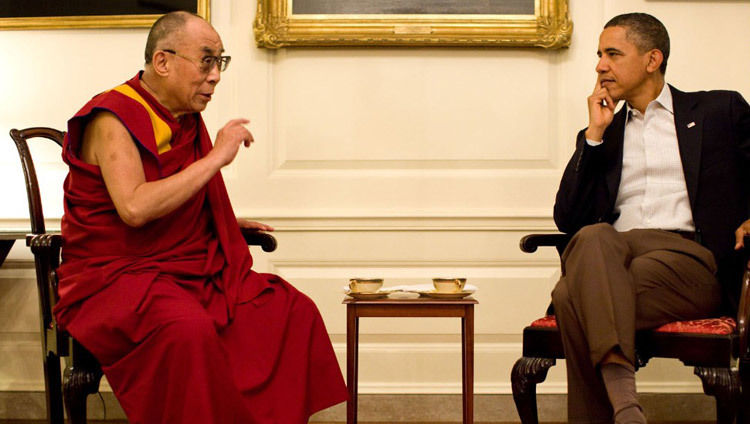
280,166
414,168
400,265
366,220
369,353
547,388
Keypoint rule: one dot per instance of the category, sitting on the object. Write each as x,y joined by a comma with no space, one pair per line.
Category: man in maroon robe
156,278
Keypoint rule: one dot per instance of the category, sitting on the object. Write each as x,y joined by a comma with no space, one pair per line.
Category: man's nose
602,66
214,75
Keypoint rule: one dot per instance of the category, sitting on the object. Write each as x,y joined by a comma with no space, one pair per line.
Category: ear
160,64
655,58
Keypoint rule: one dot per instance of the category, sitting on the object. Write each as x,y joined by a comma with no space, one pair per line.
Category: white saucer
440,295
367,296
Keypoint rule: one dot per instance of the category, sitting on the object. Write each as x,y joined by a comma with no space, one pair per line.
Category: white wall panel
428,109
500,287
19,305
20,351
21,364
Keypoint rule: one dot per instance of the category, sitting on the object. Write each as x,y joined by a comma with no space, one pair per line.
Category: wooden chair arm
531,242
44,243
266,241
46,250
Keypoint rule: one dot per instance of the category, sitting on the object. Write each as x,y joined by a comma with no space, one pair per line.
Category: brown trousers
615,283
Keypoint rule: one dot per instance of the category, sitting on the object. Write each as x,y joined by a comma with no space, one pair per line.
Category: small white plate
367,296
439,295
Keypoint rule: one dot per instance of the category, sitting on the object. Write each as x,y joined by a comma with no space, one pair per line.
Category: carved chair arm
266,241
44,243
531,242
46,250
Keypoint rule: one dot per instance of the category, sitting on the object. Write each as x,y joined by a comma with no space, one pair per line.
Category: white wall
401,163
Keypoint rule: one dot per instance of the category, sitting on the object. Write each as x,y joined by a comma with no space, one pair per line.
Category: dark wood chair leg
526,374
78,385
744,413
53,390
82,377
724,385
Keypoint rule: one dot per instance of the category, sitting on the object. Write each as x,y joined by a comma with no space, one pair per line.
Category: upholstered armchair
717,348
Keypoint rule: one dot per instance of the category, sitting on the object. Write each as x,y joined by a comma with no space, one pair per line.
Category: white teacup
365,285
449,285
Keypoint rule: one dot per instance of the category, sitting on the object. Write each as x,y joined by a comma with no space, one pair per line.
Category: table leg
352,350
467,354
5,246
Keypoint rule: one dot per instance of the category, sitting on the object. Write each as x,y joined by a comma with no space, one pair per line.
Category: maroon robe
185,331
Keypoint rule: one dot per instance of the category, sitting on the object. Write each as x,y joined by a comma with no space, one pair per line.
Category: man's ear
655,58
159,63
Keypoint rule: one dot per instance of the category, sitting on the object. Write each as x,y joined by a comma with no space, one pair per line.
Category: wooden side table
420,307
7,238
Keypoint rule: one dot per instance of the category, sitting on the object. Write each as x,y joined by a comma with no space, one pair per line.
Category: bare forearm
155,199
108,144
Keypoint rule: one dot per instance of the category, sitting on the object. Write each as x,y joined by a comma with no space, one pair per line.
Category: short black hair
646,32
163,28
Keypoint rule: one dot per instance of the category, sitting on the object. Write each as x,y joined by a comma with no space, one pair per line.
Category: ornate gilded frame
93,21
275,26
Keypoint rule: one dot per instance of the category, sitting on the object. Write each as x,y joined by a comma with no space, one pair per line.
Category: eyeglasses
207,63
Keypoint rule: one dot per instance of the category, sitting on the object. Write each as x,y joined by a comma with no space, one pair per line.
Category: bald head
167,30
183,62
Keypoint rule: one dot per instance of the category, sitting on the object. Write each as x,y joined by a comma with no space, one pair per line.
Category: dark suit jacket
713,133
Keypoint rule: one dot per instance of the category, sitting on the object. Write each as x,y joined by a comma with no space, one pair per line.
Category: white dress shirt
652,192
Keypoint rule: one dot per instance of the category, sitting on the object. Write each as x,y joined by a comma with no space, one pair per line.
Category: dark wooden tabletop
13,234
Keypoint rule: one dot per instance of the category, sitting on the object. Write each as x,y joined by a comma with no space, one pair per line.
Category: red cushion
548,321
723,325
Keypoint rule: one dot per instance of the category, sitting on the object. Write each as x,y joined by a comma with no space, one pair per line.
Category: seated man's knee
188,330
642,268
589,237
595,231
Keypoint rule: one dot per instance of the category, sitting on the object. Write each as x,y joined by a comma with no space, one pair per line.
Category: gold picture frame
277,26
134,20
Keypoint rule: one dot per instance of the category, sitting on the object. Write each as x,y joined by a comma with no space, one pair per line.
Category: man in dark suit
657,197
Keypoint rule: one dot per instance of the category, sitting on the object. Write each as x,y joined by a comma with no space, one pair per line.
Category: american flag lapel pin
691,125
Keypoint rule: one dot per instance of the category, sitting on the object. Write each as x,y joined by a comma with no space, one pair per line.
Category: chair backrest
45,265
20,137
46,249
